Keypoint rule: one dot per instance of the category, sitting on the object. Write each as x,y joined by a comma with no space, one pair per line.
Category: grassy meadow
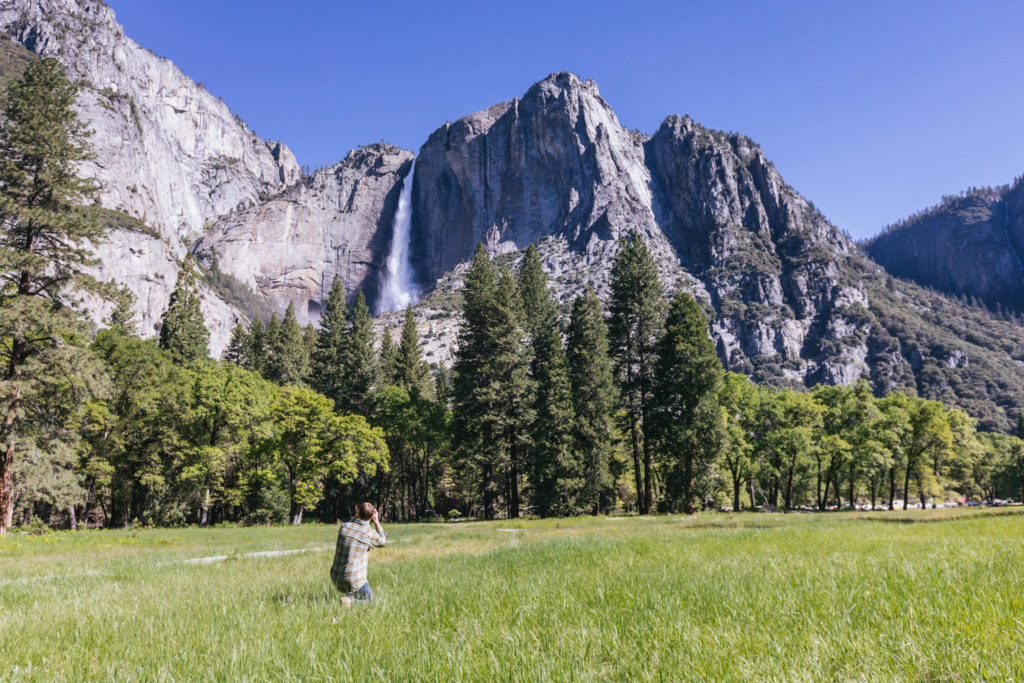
924,595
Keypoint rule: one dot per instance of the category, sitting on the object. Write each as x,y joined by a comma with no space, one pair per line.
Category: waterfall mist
398,290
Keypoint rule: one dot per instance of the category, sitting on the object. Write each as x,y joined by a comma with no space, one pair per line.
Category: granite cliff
168,153
791,299
969,245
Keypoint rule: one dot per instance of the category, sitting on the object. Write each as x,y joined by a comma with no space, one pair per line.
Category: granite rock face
337,221
168,152
719,218
970,245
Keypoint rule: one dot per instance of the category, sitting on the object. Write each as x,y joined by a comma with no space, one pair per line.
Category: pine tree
593,398
360,361
122,318
183,333
686,420
634,327
327,375
511,361
289,363
474,396
237,351
44,231
550,433
388,359
255,357
411,371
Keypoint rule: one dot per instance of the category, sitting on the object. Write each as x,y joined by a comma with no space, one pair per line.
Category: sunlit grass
713,597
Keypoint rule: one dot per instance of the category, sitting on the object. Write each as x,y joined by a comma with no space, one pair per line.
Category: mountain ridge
791,299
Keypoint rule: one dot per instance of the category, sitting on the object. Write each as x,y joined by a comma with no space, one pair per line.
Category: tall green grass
715,597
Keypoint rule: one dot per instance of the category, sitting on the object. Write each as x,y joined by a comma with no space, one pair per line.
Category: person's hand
375,519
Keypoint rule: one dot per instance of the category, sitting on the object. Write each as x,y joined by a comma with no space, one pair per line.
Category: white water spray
398,290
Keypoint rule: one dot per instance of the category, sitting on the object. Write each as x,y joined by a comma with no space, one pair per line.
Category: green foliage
183,331
550,461
686,421
288,362
411,372
45,236
636,310
593,403
360,371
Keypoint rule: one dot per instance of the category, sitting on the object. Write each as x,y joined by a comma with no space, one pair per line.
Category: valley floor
838,596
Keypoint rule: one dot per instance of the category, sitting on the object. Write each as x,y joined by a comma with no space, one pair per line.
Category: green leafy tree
739,400
686,420
312,443
44,249
183,332
636,321
593,399
228,409
551,452
417,433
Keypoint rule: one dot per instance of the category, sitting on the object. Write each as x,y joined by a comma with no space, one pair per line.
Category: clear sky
872,110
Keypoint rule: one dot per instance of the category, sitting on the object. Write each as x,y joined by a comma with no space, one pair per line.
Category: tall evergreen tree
256,355
635,324
183,332
411,371
122,318
475,397
360,361
237,351
515,389
289,362
550,452
686,419
327,374
388,359
44,231
593,398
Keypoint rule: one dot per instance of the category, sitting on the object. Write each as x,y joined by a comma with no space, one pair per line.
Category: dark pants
364,593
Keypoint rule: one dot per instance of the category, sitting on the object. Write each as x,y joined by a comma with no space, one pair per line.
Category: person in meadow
355,538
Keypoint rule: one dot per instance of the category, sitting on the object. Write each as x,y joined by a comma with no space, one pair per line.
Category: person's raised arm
382,538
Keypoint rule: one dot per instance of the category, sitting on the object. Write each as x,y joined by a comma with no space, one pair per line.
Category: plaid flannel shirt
355,538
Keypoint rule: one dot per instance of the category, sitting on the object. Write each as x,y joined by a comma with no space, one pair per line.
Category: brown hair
364,511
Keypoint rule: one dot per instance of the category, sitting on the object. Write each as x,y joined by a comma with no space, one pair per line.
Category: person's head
364,511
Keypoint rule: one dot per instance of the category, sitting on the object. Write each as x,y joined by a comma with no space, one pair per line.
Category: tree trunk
513,476
688,485
72,518
648,477
753,500
817,489
737,484
892,487
204,509
638,477
853,484
6,461
874,490
297,517
906,486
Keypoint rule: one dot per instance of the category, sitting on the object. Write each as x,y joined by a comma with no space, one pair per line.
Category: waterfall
398,290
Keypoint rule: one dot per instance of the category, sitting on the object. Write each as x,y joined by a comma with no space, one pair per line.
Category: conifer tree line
545,411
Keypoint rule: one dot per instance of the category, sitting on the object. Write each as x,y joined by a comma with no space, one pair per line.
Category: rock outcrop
168,152
971,245
337,221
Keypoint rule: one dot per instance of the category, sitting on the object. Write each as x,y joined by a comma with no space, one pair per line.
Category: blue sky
872,110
